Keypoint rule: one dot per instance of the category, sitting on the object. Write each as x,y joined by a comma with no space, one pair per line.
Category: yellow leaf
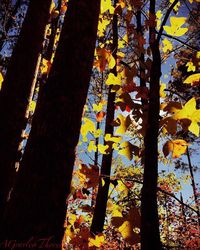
97,133
102,148
107,5
87,126
193,79
175,29
32,106
71,219
98,107
46,65
127,224
123,123
126,150
115,139
104,57
191,67
167,45
92,147
113,80
1,80
189,116
97,241
177,147
162,92
102,25
176,7
159,17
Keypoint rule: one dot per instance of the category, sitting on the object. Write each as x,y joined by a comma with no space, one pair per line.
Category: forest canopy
99,131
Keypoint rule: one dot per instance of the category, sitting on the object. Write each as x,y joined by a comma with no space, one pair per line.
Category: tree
102,194
47,164
16,92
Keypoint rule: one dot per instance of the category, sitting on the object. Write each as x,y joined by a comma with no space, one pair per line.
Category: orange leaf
177,147
100,115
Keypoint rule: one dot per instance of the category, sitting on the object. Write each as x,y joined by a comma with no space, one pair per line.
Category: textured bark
150,237
16,91
102,194
38,205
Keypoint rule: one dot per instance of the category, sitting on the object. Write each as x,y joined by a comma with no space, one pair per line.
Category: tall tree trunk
102,194
150,237
38,205
16,91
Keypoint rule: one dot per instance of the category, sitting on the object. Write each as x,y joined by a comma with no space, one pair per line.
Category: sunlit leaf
1,80
113,80
189,116
102,148
32,106
176,147
191,67
100,115
123,123
97,241
127,224
92,146
167,45
87,126
193,79
175,29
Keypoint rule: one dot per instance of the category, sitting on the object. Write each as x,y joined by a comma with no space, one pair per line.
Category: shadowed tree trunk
16,91
150,237
102,194
38,205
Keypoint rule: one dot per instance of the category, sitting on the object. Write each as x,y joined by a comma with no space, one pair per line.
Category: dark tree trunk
150,237
102,194
16,91
38,205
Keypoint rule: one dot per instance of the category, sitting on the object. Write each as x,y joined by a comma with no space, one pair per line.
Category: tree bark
150,237
102,194
16,91
38,205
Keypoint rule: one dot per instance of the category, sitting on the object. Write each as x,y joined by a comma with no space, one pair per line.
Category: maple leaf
104,57
175,29
113,80
1,80
46,66
99,107
92,146
126,225
127,149
167,45
100,115
103,23
191,66
162,92
97,241
177,147
106,5
123,123
102,148
189,116
87,126
193,79
32,106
